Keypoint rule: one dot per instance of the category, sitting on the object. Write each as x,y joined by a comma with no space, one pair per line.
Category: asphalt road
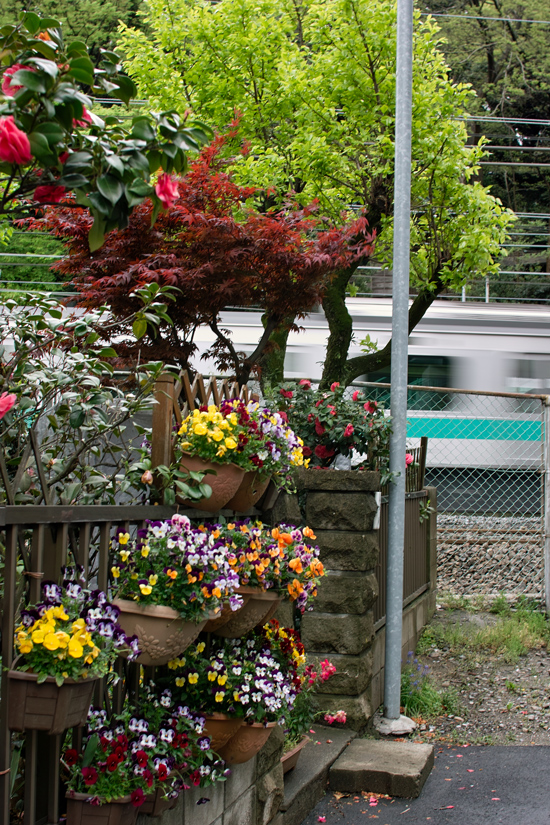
472,785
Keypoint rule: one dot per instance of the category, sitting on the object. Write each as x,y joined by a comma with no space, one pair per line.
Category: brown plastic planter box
81,812
46,706
155,804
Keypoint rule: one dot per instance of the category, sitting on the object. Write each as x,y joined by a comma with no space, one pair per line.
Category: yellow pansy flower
222,679
180,681
123,538
38,636
59,613
230,443
193,678
51,642
200,429
145,550
115,572
219,696
25,646
75,648
124,555
212,676
217,435
153,579
145,589
200,647
63,639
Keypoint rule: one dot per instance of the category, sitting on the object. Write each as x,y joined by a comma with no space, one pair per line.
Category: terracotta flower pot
81,812
224,484
290,758
246,743
224,615
155,804
46,706
251,489
220,728
259,605
161,631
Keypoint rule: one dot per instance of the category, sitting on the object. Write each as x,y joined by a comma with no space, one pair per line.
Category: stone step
382,766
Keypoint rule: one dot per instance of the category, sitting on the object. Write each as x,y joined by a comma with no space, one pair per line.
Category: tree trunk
272,360
340,326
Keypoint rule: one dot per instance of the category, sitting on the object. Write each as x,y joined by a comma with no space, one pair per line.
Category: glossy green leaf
110,187
139,327
33,81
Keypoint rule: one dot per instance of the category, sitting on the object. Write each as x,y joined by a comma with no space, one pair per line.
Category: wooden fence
37,540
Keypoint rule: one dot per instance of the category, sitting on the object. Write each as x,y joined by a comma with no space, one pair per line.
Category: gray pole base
394,727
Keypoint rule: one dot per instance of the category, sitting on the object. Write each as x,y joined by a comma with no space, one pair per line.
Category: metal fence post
546,502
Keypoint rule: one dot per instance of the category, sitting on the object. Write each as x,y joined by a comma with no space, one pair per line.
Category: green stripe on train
495,429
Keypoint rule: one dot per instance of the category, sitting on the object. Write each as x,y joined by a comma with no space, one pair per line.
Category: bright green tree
92,21
315,83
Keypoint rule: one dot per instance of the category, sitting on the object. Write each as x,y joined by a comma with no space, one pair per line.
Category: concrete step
382,766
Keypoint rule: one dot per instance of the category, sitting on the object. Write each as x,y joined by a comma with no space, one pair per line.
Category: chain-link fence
487,458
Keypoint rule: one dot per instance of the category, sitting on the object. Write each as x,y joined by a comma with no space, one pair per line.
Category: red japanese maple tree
218,251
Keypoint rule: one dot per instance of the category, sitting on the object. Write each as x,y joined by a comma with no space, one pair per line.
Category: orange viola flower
296,565
307,531
294,589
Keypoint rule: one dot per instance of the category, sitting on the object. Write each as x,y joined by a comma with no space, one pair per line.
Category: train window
529,375
424,371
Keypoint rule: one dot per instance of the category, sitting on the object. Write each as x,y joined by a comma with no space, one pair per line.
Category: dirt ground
498,703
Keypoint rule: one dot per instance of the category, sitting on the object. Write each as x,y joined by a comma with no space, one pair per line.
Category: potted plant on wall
65,644
272,564
335,423
241,447
168,583
243,687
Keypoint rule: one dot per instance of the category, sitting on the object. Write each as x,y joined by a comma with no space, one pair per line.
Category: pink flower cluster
339,716
166,191
7,401
14,144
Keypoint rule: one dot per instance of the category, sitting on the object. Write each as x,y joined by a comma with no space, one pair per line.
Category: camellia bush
53,148
67,418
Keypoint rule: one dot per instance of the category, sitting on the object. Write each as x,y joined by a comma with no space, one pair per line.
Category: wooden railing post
161,434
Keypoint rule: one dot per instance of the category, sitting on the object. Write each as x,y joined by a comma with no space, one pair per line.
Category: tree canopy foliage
493,45
217,250
315,84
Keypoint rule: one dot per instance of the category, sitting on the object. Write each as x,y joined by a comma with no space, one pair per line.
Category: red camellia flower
306,451
356,395
63,157
14,144
334,385
49,194
305,383
8,87
286,393
137,797
370,406
323,452
89,775
319,429
349,430
167,191
7,401
71,757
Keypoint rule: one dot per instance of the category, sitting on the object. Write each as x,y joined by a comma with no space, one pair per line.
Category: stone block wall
251,795
340,507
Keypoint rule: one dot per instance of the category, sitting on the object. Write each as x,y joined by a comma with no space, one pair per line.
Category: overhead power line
479,17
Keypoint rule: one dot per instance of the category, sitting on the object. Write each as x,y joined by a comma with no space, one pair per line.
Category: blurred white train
487,348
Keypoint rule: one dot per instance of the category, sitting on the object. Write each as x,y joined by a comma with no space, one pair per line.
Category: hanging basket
224,483
226,613
251,489
260,605
47,706
162,633
81,812
246,743
220,728
156,804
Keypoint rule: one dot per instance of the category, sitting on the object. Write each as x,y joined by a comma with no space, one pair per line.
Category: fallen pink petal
322,819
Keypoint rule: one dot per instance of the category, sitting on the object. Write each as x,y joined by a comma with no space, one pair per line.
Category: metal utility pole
393,722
